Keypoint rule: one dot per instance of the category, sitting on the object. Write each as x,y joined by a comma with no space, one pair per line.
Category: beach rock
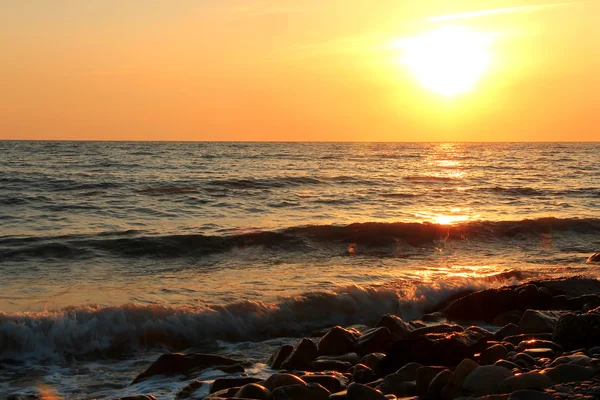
578,359
534,321
507,330
434,349
424,377
189,389
352,358
363,374
453,388
376,340
396,384
311,391
507,364
302,356
529,395
336,341
482,331
330,382
433,317
585,302
485,380
532,344
395,325
223,394
525,360
594,258
574,331
529,380
437,384
530,336
135,397
440,328
373,361
540,352
356,391
232,369
409,371
507,318
331,365
282,353
183,364
571,287
487,304
226,383
282,379
253,391
569,373
492,354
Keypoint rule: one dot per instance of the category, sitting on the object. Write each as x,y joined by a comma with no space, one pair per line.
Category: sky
310,70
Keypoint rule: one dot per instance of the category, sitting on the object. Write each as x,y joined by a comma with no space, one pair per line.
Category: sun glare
449,60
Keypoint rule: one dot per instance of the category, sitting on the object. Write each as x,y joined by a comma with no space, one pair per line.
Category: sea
112,253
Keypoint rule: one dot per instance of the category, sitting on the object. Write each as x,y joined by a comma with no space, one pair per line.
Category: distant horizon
287,141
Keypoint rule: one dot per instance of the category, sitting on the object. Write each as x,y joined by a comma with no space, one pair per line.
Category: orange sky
283,70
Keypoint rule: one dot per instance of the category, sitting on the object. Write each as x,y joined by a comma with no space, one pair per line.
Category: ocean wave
301,238
96,331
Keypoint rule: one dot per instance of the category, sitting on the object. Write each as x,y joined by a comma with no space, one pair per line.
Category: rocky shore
534,341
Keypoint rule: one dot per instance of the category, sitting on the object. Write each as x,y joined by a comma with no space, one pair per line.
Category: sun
449,60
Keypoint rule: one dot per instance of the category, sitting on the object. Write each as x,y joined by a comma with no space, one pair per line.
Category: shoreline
558,321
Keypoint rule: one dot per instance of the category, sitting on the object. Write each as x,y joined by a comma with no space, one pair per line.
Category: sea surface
114,252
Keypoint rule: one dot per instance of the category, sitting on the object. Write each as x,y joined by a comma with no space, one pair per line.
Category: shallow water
117,250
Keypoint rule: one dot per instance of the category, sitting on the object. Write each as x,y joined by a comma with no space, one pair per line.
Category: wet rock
540,352
226,383
453,388
189,389
376,340
363,374
373,361
507,364
574,331
434,349
336,341
282,379
424,377
585,302
485,380
532,344
395,325
529,395
484,332
409,371
433,317
492,354
282,353
341,395
508,318
356,391
183,364
223,394
311,391
302,356
138,397
578,359
534,321
571,287
329,382
530,336
530,380
434,391
525,360
594,258
331,365
569,373
486,305
397,385
253,391
232,369
507,330
441,328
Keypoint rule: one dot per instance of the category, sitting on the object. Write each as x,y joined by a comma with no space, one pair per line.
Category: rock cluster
547,349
